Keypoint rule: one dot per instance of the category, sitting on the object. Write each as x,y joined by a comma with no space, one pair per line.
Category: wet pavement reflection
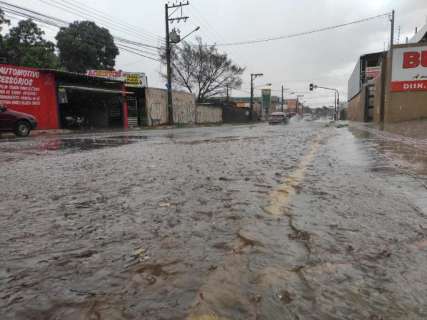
304,221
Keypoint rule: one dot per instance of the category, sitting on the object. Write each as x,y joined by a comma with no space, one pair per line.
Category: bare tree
203,70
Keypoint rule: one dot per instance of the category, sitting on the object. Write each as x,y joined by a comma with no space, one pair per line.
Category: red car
18,122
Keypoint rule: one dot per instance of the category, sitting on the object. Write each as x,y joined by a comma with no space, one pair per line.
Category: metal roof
91,89
420,35
79,76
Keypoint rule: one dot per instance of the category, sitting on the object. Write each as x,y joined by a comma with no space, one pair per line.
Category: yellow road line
281,196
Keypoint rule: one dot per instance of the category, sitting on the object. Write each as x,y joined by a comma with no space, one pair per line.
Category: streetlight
337,96
283,97
253,77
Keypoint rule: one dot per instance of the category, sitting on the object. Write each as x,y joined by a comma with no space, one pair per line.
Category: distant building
294,106
245,102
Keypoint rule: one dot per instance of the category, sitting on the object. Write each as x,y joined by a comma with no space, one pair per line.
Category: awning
81,88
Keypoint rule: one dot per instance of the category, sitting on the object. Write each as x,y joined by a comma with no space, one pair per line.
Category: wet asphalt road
301,221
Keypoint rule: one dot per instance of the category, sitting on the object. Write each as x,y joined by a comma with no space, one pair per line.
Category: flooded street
304,221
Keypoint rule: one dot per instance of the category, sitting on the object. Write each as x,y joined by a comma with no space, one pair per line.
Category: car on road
17,122
278,118
308,117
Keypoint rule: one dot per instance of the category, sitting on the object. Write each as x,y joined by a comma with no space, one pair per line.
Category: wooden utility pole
168,66
169,50
389,65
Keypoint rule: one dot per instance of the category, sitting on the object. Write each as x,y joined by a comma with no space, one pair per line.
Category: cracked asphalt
304,221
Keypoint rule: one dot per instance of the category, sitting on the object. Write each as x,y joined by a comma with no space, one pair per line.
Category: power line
28,13
138,53
138,50
85,9
59,23
295,35
86,13
138,29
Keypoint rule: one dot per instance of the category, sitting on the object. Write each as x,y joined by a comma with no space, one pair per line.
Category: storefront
135,83
391,86
406,96
64,100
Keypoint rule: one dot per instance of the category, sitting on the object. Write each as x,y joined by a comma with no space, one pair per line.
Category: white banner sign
409,69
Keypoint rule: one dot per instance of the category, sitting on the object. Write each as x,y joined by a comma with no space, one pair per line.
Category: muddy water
250,222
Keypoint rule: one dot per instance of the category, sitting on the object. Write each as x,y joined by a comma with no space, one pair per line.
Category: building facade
391,86
55,97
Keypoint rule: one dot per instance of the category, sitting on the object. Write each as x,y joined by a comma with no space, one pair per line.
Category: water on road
303,221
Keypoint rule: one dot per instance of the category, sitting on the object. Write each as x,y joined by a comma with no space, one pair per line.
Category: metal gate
132,112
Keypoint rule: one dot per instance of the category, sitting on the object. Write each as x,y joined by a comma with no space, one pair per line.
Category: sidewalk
404,143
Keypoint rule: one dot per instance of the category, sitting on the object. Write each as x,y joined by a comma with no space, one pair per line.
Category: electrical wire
83,8
135,52
59,23
300,34
88,15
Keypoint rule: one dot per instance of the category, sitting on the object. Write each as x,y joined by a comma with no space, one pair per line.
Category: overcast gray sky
326,58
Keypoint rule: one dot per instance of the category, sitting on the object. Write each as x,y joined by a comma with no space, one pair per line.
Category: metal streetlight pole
336,98
253,76
283,94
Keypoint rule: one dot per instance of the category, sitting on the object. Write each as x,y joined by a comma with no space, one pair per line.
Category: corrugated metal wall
157,111
185,110
156,106
208,114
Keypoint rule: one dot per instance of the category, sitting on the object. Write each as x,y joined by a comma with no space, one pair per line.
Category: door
132,112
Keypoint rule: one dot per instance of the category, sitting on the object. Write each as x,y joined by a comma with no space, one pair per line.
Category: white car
278,118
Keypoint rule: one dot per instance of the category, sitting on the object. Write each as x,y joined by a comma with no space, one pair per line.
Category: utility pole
392,32
283,96
169,50
228,96
336,107
389,66
251,111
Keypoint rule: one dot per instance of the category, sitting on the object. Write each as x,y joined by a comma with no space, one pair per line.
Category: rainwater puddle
87,144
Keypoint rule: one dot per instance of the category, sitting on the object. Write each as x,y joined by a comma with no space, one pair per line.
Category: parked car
18,122
278,118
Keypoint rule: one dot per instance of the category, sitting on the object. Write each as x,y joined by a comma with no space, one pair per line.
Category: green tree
25,46
203,70
83,46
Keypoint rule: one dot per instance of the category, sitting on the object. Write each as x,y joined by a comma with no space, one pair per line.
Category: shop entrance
89,108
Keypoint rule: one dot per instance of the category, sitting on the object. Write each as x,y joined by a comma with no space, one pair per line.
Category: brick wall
356,107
